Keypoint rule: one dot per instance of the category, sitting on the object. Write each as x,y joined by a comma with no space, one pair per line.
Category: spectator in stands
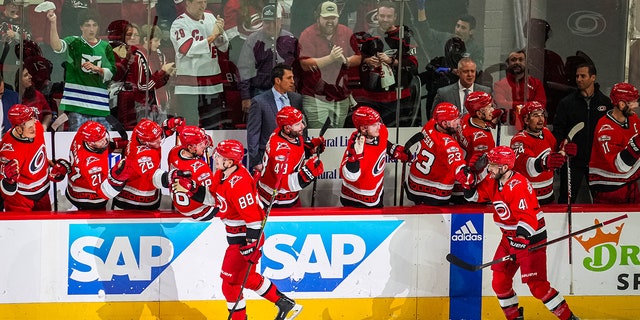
514,90
380,64
261,51
198,38
85,96
586,105
325,56
261,121
12,31
464,28
71,10
442,71
123,87
33,98
8,99
242,19
458,92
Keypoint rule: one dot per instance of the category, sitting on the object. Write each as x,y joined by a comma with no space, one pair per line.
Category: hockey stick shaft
264,223
468,266
325,126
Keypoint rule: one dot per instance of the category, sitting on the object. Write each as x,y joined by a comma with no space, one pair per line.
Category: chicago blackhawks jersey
33,164
432,172
516,208
85,91
88,186
607,170
197,64
281,157
528,149
365,186
198,209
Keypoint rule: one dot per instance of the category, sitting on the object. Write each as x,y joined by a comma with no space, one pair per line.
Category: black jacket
573,109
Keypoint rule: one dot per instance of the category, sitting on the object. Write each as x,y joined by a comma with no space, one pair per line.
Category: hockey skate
521,316
287,308
573,317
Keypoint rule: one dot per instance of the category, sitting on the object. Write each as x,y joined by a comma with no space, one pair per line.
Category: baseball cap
269,12
329,9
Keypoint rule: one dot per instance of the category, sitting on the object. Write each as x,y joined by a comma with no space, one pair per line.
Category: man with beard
458,92
380,65
325,56
536,151
439,161
614,168
514,90
587,105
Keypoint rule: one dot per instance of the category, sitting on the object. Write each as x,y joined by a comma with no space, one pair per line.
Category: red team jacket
528,149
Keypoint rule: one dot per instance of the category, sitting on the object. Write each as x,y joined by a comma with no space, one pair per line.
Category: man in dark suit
455,93
9,98
261,121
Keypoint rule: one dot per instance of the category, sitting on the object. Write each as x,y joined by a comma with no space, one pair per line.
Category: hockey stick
323,130
55,125
117,126
264,223
407,146
498,126
576,128
471,267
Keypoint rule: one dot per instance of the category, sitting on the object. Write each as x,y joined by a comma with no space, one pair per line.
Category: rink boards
339,263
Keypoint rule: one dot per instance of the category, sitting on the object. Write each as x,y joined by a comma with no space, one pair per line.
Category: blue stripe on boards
465,287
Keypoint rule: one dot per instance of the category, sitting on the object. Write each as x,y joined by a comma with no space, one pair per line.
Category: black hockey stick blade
456,261
117,126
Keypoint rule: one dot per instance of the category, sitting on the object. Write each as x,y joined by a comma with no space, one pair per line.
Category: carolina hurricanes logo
605,127
518,147
234,180
378,168
196,165
601,108
502,210
7,147
91,159
513,183
251,25
38,160
222,203
447,140
282,146
479,135
142,148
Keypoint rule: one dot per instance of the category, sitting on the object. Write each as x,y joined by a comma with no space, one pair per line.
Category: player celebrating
362,176
613,168
142,191
90,185
243,217
439,160
536,153
25,168
518,214
286,150
192,188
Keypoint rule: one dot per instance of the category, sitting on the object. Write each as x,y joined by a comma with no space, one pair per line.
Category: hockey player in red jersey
518,214
90,182
363,163
243,217
439,160
24,164
614,166
142,190
536,151
287,142
192,188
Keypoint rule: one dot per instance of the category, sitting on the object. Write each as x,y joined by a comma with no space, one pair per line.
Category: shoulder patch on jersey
94,170
144,159
203,176
604,138
605,127
283,146
513,183
91,159
601,108
482,147
447,140
234,180
196,165
7,147
479,135
453,149
142,148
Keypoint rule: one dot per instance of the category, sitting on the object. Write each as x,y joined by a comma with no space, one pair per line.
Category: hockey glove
315,145
251,252
121,172
311,169
355,147
170,177
118,143
518,246
466,178
184,185
169,126
478,162
634,146
569,148
498,115
398,152
553,161
59,170
10,171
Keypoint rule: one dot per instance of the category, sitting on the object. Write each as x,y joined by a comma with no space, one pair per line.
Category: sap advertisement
307,257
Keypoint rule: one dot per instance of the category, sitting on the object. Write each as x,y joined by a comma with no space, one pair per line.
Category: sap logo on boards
316,256
124,258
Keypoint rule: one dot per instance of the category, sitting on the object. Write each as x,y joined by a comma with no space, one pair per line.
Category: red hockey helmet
445,111
192,135
231,149
19,114
529,107
477,100
502,155
365,116
623,92
148,131
92,131
288,116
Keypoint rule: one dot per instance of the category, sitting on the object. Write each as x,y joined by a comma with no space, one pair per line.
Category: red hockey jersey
202,175
529,148
88,187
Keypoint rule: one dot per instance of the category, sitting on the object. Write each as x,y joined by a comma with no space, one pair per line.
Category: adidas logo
467,232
